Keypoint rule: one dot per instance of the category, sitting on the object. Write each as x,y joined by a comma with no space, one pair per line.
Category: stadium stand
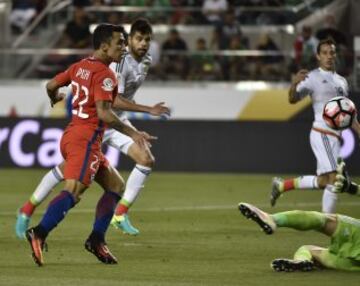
247,40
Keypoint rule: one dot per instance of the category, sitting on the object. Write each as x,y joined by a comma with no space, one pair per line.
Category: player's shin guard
104,212
57,210
300,220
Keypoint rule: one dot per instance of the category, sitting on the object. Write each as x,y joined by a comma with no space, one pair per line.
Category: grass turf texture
191,234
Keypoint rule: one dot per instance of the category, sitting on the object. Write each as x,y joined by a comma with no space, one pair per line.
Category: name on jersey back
83,74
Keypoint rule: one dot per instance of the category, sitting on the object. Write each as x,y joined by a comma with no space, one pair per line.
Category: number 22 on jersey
81,93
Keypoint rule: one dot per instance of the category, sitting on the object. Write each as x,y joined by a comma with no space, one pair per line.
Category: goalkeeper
343,252
344,232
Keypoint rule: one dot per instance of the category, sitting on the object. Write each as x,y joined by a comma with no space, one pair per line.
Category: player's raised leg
113,184
280,186
326,148
46,185
135,182
299,220
305,256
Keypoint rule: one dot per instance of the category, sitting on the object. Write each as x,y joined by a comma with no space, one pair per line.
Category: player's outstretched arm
299,77
106,114
52,88
128,105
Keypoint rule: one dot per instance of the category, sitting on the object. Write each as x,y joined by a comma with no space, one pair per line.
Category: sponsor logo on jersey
108,84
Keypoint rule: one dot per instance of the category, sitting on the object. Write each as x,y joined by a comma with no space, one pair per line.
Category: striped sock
134,185
302,182
288,185
28,208
123,207
48,182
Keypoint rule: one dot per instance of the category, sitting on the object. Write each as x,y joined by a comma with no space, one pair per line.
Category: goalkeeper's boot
22,224
100,250
276,190
37,244
263,219
123,223
289,265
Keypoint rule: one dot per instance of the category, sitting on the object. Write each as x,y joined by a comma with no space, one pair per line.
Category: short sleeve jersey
321,86
130,74
91,81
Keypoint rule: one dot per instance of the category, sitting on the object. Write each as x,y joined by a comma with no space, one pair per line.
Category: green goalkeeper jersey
345,242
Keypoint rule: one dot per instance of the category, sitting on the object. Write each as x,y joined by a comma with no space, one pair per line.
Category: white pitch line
207,207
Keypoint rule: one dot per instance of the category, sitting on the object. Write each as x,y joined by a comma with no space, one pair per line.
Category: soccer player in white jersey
320,84
131,73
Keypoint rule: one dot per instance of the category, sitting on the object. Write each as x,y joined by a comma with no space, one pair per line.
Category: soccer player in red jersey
94,88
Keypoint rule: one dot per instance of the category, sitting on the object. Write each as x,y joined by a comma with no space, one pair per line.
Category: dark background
213,146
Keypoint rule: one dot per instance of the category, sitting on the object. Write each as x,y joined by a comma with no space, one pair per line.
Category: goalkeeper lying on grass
343,252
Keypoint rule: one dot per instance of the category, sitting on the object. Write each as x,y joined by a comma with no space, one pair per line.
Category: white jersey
322,85
130,74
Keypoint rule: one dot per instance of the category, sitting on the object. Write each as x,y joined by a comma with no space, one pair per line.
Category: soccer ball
339,113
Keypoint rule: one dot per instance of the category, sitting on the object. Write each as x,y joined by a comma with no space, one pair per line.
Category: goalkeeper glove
343,182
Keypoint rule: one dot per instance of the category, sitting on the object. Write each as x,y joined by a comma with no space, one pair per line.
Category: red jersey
91,81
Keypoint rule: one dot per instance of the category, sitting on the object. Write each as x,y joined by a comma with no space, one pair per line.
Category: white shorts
117,140
326,149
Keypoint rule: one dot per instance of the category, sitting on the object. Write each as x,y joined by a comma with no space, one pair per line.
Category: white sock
329,200
306,182
135,183
48,182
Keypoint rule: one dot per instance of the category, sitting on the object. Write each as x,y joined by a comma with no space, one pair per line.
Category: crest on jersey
339,91
108,84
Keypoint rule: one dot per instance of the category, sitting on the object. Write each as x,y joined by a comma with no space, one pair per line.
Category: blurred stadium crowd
225,55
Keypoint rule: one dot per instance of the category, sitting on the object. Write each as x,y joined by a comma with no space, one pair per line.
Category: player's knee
330,224
323,181
312,249
331,178
146,160
118,186
305,248
75,188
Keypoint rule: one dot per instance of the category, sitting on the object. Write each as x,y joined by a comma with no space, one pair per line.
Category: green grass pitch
191,234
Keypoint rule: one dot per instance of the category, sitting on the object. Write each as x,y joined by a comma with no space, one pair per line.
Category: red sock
289,184
28,208
121,209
